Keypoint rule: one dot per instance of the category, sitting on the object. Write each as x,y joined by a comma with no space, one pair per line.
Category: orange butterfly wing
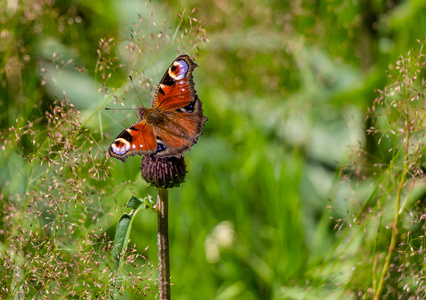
183,113
174,122
138,139
176,88
181,130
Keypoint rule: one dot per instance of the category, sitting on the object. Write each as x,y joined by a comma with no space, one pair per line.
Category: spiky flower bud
163,172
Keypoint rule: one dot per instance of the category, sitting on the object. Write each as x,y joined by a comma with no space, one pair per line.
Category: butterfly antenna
136,91
120,108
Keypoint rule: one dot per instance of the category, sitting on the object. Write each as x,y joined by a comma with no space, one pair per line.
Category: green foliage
121,241
263,213
52,245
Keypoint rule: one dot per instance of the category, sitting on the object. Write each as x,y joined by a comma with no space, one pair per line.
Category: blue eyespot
190,107
160,147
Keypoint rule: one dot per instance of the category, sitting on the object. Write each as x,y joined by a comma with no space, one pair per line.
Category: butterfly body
174,122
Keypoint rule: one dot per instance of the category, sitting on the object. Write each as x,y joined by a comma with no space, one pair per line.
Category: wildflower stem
397,207
163,243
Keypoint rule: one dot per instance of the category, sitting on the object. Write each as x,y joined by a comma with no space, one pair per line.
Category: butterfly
173,123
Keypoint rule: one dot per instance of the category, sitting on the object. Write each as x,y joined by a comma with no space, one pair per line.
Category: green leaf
122,237
134,203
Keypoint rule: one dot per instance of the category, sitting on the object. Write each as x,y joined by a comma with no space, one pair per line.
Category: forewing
176,88
138,139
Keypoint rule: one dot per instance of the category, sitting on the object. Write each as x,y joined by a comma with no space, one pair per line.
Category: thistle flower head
163,172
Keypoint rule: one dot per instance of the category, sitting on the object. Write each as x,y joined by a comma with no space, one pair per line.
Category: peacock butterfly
173,123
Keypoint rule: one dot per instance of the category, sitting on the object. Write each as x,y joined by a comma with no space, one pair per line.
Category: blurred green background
284,84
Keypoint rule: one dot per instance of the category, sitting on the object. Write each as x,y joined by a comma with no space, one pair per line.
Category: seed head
163,172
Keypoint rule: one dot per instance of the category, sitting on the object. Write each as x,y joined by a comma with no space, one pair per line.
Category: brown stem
163,243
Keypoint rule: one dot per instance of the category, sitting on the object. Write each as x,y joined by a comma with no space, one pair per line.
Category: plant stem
163,243
394,237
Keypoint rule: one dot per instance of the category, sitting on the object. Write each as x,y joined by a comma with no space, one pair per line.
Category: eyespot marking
187,109
120,146
178,70
160,145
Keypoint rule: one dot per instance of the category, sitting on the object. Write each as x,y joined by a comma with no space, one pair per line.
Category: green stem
163,243
397,205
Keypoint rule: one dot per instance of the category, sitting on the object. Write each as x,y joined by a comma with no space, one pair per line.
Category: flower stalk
163,243
163,173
